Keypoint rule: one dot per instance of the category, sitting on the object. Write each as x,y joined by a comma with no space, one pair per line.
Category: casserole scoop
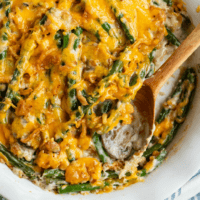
146,97
122,142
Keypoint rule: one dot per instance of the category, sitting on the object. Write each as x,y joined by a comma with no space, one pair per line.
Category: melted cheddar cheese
83,170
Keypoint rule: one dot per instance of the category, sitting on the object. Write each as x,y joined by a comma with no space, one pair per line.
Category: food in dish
69,73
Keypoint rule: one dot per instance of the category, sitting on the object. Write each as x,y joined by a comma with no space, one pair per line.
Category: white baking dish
182,162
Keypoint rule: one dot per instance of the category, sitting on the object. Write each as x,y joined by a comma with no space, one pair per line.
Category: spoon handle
181,54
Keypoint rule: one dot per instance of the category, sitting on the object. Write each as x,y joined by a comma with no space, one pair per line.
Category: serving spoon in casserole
121,142
146,97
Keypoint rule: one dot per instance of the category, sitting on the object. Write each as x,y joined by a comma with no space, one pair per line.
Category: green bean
54,176
149,151
106,107
38,120
142,74
62,39
133,80
93,99
128,173
7,5
172,38
97,35
70,155
65,41
135,76
54,173
5,36
168,2
2,105
71,82
151,71
59,140
78,31
85,95
124,25
142,173
31,162
106,26
151,55
13,96
122,20
73,99
58,36
188,74
152,66
117,67
4,3
43,20
164,112
3,54
7,12
156,3
14,161
103,156
79,188
15,74
76,43
110,174
160,158
7,24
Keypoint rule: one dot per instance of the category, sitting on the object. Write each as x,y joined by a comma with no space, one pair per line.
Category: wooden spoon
146,96
115,143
